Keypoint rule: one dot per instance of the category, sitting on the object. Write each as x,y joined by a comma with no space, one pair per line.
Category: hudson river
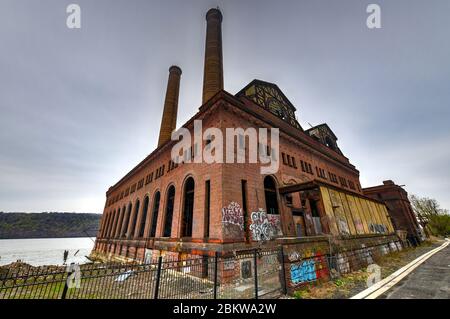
45,251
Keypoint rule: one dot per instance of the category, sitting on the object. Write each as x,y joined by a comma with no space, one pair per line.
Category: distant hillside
48,225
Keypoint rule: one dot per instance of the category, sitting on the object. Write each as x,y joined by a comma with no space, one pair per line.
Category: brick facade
396,199
232,205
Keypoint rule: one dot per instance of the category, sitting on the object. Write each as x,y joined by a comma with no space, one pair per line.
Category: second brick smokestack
213,69
169,117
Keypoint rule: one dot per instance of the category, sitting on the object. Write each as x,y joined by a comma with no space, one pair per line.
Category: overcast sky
80,108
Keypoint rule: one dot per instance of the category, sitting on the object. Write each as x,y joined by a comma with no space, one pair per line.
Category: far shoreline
59,237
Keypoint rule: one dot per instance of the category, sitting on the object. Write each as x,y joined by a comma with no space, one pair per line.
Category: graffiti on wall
294,256
232,214
384,249
393,246
378,228
264,226
274,221
233,221
343,226
313,267
321,265
303,272
246,269
229,265
270,260
365,254
359,226
343,264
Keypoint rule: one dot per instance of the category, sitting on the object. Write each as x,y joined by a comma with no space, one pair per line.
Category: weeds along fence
243,275
253,274
304,270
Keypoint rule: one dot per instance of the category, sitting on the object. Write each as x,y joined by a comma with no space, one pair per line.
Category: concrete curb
387,283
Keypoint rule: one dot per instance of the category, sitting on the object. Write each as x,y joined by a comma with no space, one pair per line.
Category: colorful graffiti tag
294,256
232,214
303,272
274,220
321,266
264,227
311,269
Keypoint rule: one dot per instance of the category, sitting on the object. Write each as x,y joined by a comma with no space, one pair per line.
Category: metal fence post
283,269
158,277
255,262
66,286
216,259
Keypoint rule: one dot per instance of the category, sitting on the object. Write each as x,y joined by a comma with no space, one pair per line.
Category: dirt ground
350,284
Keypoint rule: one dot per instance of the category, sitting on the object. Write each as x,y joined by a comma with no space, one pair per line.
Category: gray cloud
80,108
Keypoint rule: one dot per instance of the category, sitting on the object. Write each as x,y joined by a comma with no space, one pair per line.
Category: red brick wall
225,179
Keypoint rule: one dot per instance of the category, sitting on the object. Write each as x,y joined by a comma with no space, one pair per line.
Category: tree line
433,219
48,225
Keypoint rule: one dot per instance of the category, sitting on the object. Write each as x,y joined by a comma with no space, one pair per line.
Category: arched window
188,208
126,221
113,224
155,214
143,217
119,223
116,223
270,193
110,224
169,211
104,224
329,142
134,219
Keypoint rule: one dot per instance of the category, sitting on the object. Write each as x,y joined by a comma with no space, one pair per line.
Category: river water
45,251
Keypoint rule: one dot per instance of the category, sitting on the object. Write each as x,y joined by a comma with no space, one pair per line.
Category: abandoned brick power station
184,209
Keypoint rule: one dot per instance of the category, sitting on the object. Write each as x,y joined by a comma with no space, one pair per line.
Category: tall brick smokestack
213,71
169,117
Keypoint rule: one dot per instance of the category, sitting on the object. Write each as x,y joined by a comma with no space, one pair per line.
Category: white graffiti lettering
264,227
233,215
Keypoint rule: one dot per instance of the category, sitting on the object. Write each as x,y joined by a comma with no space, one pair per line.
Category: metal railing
242,275
202,277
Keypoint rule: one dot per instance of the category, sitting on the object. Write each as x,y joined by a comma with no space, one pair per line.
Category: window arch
188,208
133,219
154,223
114,223
126,220
104,224
143,217
110,223
169,211
329,142
270,193
119,222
